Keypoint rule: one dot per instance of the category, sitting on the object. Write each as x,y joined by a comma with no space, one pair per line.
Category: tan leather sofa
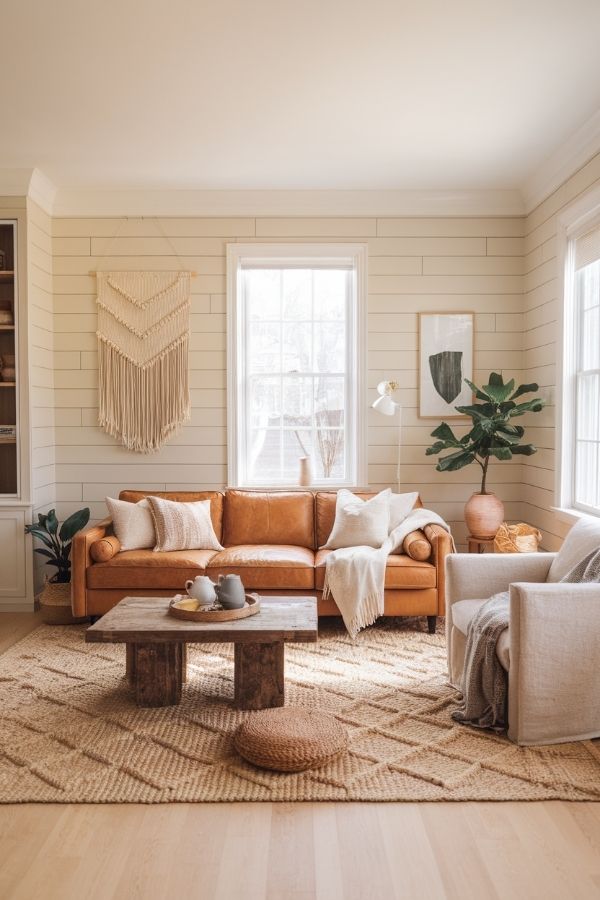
271,540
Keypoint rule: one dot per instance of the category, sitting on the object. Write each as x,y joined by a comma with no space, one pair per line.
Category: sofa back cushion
215,497
325,502
582,539
268,517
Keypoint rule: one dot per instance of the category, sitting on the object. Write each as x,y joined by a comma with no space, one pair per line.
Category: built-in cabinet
9,465
16,590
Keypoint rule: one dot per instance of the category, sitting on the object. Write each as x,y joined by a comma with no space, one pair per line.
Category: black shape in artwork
446,373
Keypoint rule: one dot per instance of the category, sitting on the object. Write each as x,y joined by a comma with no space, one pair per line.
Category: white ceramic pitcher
202,589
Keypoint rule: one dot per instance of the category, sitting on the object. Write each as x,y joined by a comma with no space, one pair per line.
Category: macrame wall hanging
143,338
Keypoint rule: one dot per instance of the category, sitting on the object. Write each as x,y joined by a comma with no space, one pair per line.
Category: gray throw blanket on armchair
484,681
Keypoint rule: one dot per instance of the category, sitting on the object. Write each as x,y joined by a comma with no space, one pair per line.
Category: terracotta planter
55,604
484,514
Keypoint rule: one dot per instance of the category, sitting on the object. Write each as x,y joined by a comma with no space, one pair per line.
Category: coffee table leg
130,663
156,671
184,662
258,675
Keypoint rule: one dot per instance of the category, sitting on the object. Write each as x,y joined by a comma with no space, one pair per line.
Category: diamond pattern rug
70,731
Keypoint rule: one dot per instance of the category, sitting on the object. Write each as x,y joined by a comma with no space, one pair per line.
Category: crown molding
582,146
42,191
563,163
30,183
100,203
15,182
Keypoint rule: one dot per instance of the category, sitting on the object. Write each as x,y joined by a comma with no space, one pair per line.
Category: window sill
568,515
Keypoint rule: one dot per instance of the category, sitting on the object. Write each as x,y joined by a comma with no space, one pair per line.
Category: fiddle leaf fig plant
493,434
57,540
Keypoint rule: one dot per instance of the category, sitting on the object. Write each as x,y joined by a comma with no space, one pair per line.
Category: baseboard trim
27,606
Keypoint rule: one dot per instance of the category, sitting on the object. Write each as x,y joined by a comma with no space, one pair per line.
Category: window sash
580,450
348,258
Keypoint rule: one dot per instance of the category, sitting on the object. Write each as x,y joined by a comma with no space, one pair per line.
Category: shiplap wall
41,365
542,333
415,264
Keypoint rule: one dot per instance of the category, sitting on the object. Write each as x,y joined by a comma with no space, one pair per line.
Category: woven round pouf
290,739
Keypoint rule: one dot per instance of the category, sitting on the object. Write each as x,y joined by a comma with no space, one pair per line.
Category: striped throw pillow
183,526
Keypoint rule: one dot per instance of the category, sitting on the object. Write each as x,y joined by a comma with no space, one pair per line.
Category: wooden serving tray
217,615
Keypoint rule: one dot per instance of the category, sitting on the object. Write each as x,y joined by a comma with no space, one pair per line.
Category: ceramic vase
484,514
305,478
7,367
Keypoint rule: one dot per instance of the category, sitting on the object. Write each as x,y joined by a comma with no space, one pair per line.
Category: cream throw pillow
183,526
400,506
132,523
360,523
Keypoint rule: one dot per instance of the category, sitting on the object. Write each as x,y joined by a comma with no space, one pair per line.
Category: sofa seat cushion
147,569
266,566
401,572
463,612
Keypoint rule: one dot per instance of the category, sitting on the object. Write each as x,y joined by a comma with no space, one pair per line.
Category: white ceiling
294,94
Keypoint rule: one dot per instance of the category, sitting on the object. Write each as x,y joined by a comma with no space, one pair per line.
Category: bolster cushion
417,546
105,548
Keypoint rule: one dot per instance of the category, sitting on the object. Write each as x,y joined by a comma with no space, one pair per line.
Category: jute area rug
70,731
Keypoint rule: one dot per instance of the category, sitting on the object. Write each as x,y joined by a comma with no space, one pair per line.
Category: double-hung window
580,451
296,359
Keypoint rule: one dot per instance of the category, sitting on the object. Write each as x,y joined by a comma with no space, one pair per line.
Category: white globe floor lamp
389,407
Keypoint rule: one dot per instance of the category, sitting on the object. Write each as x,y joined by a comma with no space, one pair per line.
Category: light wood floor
467,851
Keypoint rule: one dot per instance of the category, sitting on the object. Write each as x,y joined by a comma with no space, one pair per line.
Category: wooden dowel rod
95,272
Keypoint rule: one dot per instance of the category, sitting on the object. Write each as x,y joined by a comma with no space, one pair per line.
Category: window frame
310,255
573,223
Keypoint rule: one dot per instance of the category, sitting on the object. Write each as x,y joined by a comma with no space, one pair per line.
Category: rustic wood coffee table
156,646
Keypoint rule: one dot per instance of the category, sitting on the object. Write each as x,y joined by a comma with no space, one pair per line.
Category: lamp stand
398,460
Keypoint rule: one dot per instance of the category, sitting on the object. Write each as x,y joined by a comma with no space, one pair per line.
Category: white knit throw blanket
355,576
143,337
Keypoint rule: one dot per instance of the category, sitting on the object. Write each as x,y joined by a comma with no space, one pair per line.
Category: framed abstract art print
445,360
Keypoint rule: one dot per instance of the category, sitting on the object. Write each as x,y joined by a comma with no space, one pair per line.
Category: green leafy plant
58,539
493,433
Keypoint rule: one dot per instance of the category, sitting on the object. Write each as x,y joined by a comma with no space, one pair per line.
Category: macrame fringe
143,406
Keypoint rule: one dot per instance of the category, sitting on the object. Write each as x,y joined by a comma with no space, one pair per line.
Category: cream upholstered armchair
551,649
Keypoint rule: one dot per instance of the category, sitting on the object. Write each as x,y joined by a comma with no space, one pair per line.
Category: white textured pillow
132,523
360,523
183,526
400,506
583,537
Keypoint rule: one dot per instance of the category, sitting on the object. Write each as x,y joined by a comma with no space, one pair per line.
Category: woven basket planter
519,538
55,604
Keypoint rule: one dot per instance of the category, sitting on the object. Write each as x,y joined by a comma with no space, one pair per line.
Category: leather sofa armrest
81,560
441,546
